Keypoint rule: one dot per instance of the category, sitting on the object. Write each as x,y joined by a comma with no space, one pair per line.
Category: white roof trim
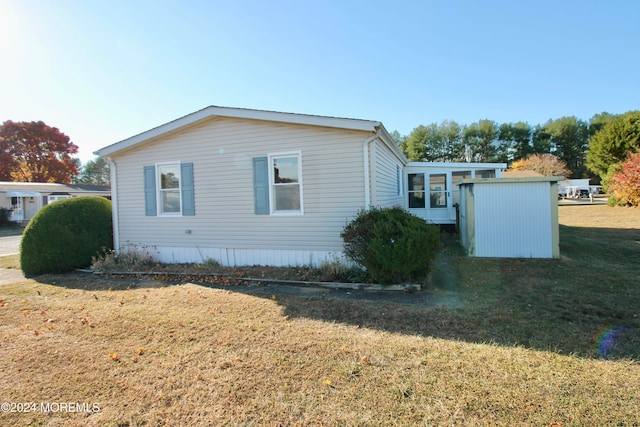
470,165
240,113
22,194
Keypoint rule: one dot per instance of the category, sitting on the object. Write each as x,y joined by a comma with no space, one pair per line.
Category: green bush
65,235
5,215
391,244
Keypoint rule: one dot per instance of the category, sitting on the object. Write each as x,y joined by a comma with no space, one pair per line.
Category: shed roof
242,113
512,180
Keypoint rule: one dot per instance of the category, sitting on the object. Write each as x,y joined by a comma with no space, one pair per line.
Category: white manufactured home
250,187
24,199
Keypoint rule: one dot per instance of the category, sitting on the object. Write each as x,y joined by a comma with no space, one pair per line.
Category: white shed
510,217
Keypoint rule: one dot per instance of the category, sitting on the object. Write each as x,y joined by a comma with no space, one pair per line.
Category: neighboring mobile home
24,199
250,187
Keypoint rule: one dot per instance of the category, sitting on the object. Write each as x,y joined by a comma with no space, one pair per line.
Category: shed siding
513,220
385,173
225,226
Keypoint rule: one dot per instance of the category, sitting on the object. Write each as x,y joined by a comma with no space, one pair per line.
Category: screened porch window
416,191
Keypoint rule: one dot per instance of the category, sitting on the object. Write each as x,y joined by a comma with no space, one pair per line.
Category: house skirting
234,257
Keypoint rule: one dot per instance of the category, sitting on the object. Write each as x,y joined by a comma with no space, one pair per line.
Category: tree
414,145
598,121
35,152
452,140
614,142
435,143
540,140
624,186
545,164
481,139
515,141
95,172
569,140
397,138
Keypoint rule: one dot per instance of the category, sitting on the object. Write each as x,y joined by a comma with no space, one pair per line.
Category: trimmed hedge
393,245
64,235
5,215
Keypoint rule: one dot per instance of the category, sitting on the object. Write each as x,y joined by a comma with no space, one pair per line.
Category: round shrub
64,235
393,245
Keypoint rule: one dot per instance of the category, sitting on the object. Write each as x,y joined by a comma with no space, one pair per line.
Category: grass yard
534,342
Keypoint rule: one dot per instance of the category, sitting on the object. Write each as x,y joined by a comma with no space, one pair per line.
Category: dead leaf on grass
114,356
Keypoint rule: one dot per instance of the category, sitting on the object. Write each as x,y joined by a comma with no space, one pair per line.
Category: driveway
9,245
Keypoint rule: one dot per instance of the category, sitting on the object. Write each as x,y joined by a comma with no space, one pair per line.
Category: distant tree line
488,141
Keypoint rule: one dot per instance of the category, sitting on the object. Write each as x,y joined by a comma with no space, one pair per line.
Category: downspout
367,179
114,204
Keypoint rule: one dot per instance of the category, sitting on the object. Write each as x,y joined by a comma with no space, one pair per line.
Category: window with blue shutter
174,185
261,185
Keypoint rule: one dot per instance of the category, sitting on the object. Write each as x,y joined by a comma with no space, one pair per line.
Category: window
285,175
438,191
54,198
486,174
416,190
168,189
456,177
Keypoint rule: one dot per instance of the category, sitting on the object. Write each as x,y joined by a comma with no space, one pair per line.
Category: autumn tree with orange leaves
35,152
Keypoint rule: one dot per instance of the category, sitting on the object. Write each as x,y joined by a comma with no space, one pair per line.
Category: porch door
439,202
17,209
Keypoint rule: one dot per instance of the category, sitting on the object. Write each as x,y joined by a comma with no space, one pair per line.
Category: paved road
9,245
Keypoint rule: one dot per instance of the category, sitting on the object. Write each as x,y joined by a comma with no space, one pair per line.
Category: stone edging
329,285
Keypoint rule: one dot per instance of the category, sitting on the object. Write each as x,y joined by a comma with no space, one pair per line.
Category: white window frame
272,202
55,198
159,190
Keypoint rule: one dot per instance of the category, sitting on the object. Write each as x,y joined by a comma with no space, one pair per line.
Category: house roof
47,187
242,113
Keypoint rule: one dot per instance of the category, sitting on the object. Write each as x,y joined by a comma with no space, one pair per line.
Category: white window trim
424,190
272,202
159,190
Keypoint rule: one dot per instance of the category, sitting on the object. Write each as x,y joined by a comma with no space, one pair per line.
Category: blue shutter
150,205
186,188
261,185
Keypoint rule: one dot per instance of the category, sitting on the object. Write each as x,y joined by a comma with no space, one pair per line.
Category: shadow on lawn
586,304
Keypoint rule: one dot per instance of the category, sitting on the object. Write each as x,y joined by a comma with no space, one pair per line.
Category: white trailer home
24,199
250,187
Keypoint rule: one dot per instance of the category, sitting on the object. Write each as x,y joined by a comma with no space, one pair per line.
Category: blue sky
102,71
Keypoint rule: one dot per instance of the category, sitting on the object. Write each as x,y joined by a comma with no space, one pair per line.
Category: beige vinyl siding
222,151
385,178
